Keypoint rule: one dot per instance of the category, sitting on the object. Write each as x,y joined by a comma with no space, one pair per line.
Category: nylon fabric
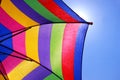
68,49
57,11
56,48
79,51
30,12
16,14
39,8
40,40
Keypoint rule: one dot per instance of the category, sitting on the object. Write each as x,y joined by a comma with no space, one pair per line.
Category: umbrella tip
90,23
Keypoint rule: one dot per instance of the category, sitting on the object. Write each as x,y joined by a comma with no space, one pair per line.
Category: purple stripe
44,45
44,54
38,74
29,11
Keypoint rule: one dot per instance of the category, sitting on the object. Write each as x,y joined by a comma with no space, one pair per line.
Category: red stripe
57,11
69,41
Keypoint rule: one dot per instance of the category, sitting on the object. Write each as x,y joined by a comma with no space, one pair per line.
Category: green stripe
56,48
40,9
52,77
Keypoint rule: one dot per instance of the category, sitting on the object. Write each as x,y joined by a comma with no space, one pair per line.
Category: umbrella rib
14,34
18,30
27,28
89,23
0,1
29,59
14,56
3,75
14,51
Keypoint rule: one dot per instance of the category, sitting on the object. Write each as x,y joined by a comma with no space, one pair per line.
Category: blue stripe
79,51
68,10
8,42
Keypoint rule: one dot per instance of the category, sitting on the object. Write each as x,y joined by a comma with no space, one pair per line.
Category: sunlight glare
83,15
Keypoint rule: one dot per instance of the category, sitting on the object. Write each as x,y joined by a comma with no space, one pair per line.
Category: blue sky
101,60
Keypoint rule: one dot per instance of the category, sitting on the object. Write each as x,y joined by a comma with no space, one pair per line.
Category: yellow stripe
16,14
32,43
24,68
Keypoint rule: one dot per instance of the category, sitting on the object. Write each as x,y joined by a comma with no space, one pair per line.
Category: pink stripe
7,21
18,41
18,45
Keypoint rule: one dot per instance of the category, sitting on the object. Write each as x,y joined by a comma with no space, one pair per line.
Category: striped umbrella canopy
40,40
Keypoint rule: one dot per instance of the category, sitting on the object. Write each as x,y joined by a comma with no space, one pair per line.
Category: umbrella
40,39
